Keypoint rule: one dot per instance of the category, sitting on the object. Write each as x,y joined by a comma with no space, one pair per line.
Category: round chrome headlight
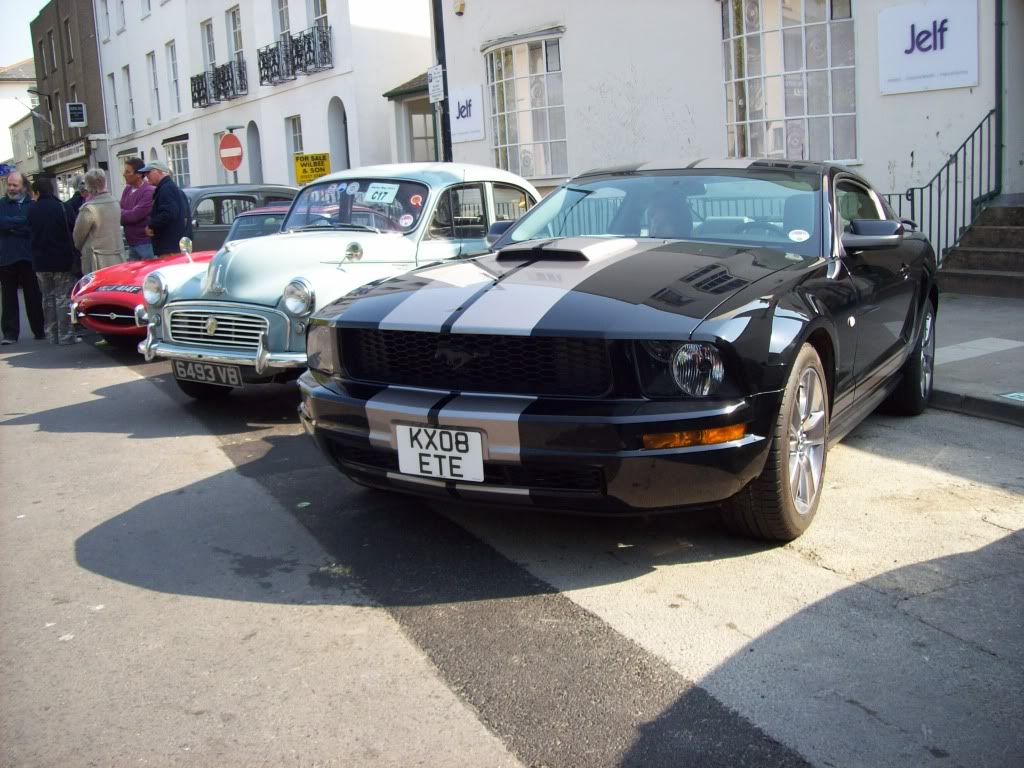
698,369
154,289
353,251
298,297
84,283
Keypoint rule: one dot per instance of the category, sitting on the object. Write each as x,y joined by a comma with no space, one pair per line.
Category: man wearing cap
169,219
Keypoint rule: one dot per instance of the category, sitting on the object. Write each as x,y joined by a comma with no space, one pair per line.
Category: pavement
184,584
979,362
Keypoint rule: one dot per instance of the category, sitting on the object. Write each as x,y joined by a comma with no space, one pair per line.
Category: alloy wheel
807,441
927,353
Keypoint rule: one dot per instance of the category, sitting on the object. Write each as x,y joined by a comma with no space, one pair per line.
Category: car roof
732,163
239,188
265,210
435,174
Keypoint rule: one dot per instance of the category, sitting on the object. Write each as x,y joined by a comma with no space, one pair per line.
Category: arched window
790,86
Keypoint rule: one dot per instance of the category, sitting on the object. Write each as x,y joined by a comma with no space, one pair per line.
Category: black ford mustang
646,338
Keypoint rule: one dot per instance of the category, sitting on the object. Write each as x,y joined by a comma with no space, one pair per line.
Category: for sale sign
311,166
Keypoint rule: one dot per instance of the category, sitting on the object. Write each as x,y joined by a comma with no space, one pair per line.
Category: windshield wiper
337,225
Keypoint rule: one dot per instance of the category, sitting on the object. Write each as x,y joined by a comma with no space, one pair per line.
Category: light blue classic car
242,319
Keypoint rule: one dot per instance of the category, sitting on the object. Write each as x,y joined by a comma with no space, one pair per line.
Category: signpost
230,152
311,166
435,83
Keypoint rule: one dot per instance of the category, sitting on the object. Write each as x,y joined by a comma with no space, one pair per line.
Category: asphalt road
184,584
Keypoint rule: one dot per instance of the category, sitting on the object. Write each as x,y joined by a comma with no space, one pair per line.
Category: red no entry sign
230,152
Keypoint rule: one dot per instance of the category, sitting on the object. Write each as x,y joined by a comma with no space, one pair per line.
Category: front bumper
261,360
547,452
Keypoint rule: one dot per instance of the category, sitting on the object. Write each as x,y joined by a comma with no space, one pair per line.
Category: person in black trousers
52,256
169,219
16,264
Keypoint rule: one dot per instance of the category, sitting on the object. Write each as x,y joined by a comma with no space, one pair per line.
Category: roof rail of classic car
738,163
433,173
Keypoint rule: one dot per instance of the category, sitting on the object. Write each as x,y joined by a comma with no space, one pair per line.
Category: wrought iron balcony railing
276,62
203,92
230,81
311,50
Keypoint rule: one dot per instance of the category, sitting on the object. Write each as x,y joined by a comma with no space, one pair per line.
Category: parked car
214,208
109,301
645,339
243,319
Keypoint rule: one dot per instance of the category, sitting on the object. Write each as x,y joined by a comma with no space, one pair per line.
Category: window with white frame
126,76
234,24
42,59
320,13
789,69
528,109
172,75
421,132
209,47
147,7
68,39
177,159
60,116
154,85
115,118
53,52
120,15
105,18
282,23
293,137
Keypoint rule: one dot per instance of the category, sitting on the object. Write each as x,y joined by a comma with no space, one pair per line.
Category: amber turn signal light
711,436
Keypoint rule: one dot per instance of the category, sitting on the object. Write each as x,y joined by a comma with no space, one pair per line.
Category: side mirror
498,229
910,223
195,223
185,245
872,235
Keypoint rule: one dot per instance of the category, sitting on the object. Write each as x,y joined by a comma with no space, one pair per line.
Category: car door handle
904,271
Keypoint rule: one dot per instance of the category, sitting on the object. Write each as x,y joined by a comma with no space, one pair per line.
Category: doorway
337,123
252,146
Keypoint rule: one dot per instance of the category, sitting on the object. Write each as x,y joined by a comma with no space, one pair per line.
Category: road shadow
939,683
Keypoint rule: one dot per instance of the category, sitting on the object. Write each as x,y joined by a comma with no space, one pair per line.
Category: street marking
1018,396
957,352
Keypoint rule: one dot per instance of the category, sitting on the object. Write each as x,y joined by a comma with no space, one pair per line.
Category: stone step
992,259
993,237
982,282
1001,216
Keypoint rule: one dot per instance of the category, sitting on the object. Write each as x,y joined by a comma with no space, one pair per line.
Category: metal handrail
946,206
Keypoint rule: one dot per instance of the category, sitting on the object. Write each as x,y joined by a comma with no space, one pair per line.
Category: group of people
45,245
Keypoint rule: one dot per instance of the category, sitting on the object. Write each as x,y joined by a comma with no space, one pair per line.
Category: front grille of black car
525,365
548,478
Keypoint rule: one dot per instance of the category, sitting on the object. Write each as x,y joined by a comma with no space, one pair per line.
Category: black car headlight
321,354
672,368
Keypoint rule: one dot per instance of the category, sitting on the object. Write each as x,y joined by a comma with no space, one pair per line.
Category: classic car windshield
773,209
381,205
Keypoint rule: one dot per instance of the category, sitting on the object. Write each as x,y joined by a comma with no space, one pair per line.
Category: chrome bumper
262,359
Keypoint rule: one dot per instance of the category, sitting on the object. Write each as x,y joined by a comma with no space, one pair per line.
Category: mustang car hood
606,287
256,271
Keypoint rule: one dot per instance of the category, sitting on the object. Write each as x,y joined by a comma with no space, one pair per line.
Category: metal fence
947,205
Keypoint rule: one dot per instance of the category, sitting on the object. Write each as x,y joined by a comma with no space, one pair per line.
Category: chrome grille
235,331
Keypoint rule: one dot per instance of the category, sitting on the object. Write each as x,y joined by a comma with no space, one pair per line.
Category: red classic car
109,301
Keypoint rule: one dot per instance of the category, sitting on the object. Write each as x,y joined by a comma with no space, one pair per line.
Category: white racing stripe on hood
429,307
517,304
395,404
498,417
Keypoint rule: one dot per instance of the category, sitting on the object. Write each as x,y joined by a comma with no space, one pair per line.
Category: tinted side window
510,203
206,211
230,207
469,218
854,202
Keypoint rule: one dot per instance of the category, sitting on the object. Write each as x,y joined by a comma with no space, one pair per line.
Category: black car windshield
751,208
377,205
256,225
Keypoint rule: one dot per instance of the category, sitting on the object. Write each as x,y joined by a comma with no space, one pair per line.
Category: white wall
389,44
642,79
1013,120
14,98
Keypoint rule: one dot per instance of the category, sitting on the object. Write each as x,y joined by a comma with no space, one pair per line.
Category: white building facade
15,101
286,77
575,84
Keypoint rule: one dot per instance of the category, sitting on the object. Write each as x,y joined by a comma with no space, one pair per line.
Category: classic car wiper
337,225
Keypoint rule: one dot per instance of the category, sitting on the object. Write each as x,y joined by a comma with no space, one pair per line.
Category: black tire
124,343
768,508
203,391
911,397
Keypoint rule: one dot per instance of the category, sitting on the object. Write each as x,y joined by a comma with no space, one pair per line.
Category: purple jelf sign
928,46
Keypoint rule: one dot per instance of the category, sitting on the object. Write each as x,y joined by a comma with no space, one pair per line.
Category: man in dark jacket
52,256
16,263
169,219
